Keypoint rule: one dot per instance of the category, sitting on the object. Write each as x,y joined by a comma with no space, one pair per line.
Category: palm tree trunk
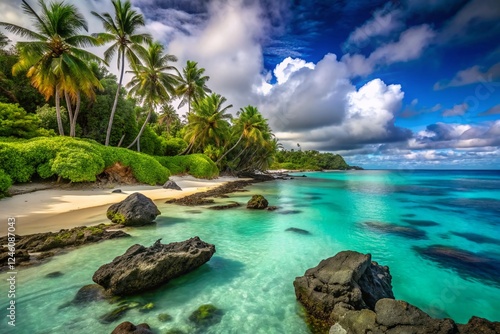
58,112
75,115
222,157
137,139
188,148
70,111
115,103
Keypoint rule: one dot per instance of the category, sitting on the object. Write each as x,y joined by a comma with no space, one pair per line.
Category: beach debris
129,328
144,268
135,210
298,230
225,206
257,202
206,315
171,185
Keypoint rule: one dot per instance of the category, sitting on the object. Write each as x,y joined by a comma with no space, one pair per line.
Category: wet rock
272,208
146,308
164,317
403,231
171,185
468,264
135,210
206,315
346,281
117,191
298,231
257,202
129,328
478,325
90,293
144,268
114,315
225,206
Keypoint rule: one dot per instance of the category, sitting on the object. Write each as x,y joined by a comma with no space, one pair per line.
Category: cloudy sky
388,84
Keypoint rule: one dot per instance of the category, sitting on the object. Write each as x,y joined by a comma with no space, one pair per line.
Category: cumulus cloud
457,110
470,76
288,66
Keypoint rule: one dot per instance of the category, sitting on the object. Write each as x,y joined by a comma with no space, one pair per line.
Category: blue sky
388,84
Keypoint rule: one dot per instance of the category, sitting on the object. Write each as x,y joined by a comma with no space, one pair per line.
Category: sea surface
438,231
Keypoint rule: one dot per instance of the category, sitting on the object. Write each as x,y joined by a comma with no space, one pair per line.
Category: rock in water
348,280
129,328
144,268
135,210
171,185
257,202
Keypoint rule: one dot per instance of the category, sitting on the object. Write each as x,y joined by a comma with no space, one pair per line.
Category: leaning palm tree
208,123
152,82
250,125
192,85
122,29
54,56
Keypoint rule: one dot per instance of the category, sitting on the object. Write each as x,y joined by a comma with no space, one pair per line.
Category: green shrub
14,163
5,183
77,165
16,122
198,165
174,146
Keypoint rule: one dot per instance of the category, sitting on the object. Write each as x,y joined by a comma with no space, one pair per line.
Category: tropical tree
122,30
4,41
192,85
168,117
53,58
251,125
152,82
208,123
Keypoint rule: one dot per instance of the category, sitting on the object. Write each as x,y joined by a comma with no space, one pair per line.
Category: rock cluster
354,295
144,268
135,210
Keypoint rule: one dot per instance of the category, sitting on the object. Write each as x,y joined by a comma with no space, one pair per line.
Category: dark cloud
492,111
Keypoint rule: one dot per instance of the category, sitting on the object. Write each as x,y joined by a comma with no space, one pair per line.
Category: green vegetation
198,165
16,122
308,160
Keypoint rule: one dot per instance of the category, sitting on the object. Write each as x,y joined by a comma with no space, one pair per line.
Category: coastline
51,210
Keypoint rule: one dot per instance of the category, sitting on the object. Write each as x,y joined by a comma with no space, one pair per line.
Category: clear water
250,276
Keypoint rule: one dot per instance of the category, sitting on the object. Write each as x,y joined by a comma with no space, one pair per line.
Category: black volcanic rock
144,268
135,210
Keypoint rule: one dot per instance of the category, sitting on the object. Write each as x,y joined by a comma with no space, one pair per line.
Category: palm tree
192,85
168,116
152,84
251,126
208,123
122,29
53,57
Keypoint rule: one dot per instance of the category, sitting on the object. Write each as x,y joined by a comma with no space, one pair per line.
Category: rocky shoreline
350,294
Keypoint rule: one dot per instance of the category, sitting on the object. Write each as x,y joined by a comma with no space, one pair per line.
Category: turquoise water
250,276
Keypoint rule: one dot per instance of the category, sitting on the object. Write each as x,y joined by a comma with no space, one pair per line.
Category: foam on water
250,277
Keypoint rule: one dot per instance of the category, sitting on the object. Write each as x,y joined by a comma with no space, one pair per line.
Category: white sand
52,210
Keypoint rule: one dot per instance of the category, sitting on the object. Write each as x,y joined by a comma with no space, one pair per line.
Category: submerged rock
135,210
164,317
225,206
206,315
272,208
90,293
144,268
54,274
129,328
477,238
298,230
403,231
257,202
289,212
418,222
171,185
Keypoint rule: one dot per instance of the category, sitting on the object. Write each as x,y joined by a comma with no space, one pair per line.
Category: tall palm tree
250,125
208,123
168,116
192,85
122,29
54,57
152,84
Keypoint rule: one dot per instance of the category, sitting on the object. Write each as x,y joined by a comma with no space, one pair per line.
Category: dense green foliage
308,160
5,183
16,122
198,165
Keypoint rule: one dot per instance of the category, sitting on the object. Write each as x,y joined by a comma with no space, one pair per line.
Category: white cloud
288,66
457,110
469,76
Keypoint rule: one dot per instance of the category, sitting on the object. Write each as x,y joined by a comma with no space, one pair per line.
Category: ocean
438,231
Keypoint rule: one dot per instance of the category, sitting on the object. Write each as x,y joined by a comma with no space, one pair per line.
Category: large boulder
354,294
257,202
135,210
144,268
346,281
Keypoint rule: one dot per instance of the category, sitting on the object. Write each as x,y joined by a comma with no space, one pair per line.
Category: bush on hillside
16,122
5,183
198,165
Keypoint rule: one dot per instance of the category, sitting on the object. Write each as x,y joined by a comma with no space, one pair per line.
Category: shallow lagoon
250,277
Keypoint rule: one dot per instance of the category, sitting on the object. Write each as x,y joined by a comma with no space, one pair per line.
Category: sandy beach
54,209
